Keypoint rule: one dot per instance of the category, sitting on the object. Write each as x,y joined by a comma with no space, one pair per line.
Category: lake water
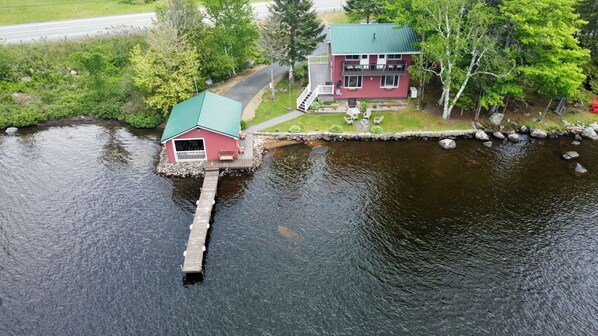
369,239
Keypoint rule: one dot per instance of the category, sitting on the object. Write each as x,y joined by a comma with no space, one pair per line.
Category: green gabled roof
208,111
375,38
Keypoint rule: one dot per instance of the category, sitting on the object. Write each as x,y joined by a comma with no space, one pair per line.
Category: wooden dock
232,164
196,246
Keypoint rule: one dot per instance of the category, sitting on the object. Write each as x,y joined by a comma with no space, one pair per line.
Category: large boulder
570,155
487,144
496,118
514,137
481,135
594,125
538,133
11,130
580,169
589,133
498,135
447,144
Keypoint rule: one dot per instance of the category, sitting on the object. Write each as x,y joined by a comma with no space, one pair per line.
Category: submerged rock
496,118
11,130
570,155
514,137
320,150
447,144
578,137
487,144
576,143
498,135
580,169
589,133
287,233
538,133
481,135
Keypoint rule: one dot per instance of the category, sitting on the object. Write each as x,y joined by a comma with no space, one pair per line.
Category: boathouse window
395,56
353,81
190,149
389,81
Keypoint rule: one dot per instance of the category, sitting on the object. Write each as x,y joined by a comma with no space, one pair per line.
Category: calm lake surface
369,239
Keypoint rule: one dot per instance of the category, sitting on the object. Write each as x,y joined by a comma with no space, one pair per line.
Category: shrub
277,130
315,106
375,106
376,130
294,129
336,129
363,105
243,124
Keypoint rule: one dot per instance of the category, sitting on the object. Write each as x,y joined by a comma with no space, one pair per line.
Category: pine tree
304,28
358,10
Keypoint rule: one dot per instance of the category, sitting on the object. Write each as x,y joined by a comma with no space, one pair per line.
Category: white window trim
389,86
353,87
176,153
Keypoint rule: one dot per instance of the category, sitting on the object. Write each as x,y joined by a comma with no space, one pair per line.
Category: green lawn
23,11
270,109
334,17
401,121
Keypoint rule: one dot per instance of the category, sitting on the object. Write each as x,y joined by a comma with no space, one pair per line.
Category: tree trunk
446,112
506,104
546,110
272,89
479,107
441,100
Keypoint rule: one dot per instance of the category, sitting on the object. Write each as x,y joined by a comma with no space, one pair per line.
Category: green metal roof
208,111
374,38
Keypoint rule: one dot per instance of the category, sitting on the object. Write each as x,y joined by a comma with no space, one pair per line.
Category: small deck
196,245
232,164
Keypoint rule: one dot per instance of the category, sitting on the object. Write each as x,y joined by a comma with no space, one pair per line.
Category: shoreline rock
11,131
447,143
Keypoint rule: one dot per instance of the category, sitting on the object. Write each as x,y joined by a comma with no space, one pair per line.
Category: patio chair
367,114
349,120
378,120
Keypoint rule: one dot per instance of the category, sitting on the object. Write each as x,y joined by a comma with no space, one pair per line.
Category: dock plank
197,236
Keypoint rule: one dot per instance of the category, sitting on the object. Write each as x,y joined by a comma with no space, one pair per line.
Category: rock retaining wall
328,136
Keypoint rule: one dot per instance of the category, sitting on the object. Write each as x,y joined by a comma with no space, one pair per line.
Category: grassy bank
24,11
397,121
270,109
91,77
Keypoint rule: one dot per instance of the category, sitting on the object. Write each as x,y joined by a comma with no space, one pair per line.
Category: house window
381,57
395,56
353,81
389,81
351,57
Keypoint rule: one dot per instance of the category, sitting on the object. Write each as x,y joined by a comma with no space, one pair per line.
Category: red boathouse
205,127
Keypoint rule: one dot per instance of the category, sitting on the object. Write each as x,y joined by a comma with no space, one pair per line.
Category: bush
315,106
363,105
243,124
145,119
276,130
294,129
375,106
336,129
377,130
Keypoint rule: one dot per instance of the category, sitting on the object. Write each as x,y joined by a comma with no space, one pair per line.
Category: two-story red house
365,61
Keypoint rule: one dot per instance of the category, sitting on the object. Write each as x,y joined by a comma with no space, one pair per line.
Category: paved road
72,29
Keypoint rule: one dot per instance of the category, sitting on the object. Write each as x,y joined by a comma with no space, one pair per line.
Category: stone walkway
273,122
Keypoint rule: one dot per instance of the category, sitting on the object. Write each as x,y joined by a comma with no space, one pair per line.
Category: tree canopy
358,10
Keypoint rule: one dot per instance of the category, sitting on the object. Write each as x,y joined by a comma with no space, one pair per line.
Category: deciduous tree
166,70
273,33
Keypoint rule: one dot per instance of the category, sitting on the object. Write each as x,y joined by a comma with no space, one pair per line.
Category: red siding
370,87
213,143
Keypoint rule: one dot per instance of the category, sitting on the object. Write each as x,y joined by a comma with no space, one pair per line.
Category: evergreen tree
304,28
358,10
